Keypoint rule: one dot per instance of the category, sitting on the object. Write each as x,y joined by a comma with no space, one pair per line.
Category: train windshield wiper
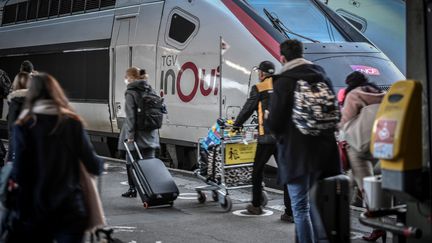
279,25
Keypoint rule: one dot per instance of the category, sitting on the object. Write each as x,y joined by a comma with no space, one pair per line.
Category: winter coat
299,154
16,101
46,169
144,139
357,99
259,100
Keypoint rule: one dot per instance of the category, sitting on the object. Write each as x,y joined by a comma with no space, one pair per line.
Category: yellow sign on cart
238,153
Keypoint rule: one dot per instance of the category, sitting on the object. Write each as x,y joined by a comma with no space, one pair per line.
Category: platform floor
190,221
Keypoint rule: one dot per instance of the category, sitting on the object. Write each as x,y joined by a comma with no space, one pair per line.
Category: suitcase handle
126,144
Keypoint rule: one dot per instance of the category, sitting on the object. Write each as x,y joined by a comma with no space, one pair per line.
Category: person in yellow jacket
259,101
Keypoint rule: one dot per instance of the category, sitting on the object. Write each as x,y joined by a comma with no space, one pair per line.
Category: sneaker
130,193
254,210
287,218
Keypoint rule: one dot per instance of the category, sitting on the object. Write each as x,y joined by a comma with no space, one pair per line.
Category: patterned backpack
315,108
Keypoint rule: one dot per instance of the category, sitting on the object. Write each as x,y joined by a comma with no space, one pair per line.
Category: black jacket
300,154
16,101
46,169
259,101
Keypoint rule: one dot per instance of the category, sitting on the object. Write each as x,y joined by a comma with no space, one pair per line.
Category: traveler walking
303,158
362,99
16,101
258,100
132,130
50,144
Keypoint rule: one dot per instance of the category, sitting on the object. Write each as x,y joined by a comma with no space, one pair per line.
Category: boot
130,193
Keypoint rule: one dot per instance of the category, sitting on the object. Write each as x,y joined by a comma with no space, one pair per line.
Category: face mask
126,81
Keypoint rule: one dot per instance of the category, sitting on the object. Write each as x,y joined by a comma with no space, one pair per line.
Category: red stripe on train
254,28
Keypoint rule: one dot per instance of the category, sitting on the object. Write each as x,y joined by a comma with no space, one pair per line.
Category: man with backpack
259,100
304,115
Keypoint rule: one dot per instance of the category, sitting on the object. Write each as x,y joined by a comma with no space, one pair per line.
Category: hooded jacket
357,99
144,139
299,154
16,101
259,100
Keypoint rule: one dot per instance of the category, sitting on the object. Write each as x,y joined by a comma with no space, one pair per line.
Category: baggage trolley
229,166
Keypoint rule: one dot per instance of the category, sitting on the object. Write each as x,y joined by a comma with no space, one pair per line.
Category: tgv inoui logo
178,82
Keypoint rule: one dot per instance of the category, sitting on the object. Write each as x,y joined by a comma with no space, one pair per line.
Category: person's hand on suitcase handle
129,140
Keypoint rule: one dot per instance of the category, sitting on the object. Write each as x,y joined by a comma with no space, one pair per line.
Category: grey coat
144,139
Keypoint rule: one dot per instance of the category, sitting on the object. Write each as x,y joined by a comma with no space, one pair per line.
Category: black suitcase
152,180
332,198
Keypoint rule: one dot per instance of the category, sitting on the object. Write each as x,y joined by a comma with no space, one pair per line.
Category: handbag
342,146
96,215
357,132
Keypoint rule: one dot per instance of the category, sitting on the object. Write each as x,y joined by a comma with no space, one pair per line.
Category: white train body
178,43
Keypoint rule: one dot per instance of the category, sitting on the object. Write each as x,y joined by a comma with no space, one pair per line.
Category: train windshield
300,17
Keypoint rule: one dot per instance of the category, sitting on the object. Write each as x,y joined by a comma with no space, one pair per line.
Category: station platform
190,221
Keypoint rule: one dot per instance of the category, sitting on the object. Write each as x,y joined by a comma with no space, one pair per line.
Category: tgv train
87,45
383,22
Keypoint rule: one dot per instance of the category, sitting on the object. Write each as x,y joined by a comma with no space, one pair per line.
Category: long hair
20,81
45,87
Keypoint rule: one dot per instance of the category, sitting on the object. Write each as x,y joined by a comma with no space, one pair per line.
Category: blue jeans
308,224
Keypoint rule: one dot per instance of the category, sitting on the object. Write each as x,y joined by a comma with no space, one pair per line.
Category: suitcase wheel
202,197
146,205
227,205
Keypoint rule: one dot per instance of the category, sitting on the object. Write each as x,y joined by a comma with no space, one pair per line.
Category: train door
121,59
133,43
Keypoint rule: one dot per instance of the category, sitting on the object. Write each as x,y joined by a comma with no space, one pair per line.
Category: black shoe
287,218
254,210
130,193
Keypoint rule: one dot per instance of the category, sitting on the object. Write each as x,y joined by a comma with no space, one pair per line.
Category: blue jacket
46,168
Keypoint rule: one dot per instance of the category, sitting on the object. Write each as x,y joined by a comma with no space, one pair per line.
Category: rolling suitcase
152,179
332,198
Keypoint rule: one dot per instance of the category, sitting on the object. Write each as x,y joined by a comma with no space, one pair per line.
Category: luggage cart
236,156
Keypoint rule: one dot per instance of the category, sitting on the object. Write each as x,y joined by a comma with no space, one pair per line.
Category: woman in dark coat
50,143
16,101
148,141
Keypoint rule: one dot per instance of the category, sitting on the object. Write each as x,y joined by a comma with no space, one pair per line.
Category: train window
65,7
181,28
54,8
357,21
43,9
92,4
22,12
107,3
40,9
78,6
72,70
32,10
9,14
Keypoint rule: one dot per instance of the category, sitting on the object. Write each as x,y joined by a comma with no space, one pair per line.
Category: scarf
45,107
294,63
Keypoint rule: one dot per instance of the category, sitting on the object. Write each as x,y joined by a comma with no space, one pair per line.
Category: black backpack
5,84
150,110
